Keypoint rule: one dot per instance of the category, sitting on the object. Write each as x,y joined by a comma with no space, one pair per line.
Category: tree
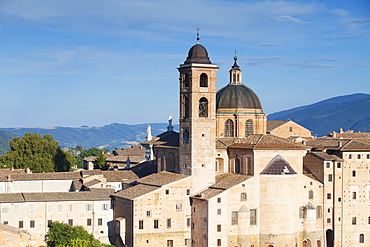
100,162
91,152
39,153
64,235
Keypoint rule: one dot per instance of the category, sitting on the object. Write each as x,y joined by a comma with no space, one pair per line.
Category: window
187,241
178,206
318,243
100,222
169,243
243,196
350,156
354,195
6,222
367,156
219,211
186,80
188,222
70,207
354,220
20,224
203,107
290,129
234,217
362,238
188,192
32,208
328,196
156,225
32,224
330,177
229,128
169,223
339,165
49,223
219,200
328,220
368,220
148,213
219,228
167,192
248,128
219,242
156,196
141,224
70,222
302,212
203,80
88,222
253,216
359,156
88,207
339,199
10,238
310,194
354,173
105,206
318,212
186,107
5,210
327,164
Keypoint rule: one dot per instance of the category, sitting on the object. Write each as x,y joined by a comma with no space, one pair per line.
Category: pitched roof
11,197
45,176
118,176
93,195
13,230
273,124
338,144
169,139
135,150
136,191
266,142
162,178
325,156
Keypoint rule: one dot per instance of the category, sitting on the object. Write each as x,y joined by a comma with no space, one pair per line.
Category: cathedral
230,177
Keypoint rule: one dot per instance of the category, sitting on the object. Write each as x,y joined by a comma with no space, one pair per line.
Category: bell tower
198,117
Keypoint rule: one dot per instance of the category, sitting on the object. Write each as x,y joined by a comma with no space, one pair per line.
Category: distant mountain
109,136
347,112
5,136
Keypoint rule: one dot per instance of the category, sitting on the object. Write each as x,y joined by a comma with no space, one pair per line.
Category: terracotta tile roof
93,195
162,178
90,158
13,230
223,143
266,142
325,156
338,144
118,176
92,183
135,150
136,191
168,139
223,182
144,169
123,159
46,176
85,173
363,137
273,124
11,197
12,171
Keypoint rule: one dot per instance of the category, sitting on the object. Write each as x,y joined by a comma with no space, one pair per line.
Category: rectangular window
32,224
70,222
141,224
234,217
354,220
327,164
169,243
339,165
187,241
178,206
218,228
368,220
353,173
88,207
100,222
5,210
243,196
219,242
148,213
328,220
169,223
188,222
49,223
16,208
318,212
6,222
88,222
328,196
70,207
219,211
167,192
10,238
354,195
105,206
32,208
350,156
218,200
253,216
367,156
359,156
188,192
330,177
156,225
20,224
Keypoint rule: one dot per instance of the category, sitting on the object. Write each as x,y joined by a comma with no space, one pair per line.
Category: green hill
5,136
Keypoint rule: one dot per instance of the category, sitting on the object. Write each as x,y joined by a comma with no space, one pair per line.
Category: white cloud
361,21
290,19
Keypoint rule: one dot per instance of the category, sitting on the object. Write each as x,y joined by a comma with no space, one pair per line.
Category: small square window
354,195
167,192
88,222
327,164
328,220
328,196
70,222
32,224
178,206
10,238
100,222
188,192
339,199
367,156
49,223
339,165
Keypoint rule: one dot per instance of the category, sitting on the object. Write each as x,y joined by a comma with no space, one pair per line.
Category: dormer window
203,81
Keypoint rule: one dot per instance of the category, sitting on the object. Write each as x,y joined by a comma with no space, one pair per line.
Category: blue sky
75,62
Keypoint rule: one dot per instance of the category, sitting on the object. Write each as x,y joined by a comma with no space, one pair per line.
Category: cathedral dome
237,96
197,54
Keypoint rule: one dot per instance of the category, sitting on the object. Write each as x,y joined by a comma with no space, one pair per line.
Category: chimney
339,144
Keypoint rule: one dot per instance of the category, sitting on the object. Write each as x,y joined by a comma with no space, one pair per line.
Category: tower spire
198,42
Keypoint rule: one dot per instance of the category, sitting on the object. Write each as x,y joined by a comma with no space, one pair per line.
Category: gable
278,166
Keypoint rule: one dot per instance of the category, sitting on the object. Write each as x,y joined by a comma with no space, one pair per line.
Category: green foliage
39,153
64,235
100,162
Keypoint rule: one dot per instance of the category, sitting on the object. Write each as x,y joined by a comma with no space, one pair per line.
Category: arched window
186,80
237,166
243,196
203,107
362,238
306,243
186,107
203,80
229,128
248,127
318,243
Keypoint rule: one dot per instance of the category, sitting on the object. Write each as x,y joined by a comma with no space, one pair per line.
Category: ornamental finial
198,36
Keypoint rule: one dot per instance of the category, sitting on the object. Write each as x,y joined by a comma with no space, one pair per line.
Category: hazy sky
96,62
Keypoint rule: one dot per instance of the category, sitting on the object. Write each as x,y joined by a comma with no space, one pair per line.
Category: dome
197,54
237,96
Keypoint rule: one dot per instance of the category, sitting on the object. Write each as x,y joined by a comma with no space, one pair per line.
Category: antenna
198,36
